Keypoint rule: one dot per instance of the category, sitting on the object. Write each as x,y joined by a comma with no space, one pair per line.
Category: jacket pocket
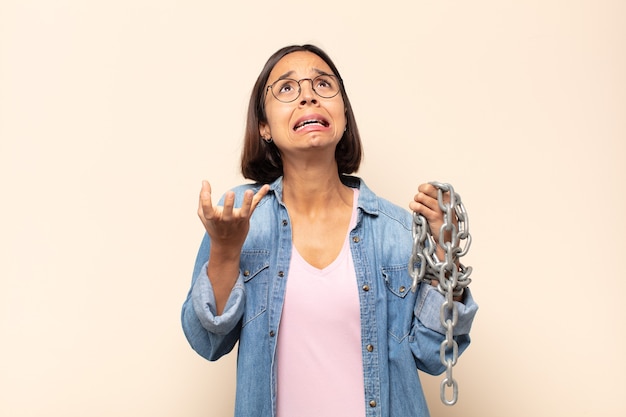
255,271
400,300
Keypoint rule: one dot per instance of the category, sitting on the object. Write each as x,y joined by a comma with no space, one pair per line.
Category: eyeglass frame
269,87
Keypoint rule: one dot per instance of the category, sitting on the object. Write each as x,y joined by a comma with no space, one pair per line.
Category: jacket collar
368,201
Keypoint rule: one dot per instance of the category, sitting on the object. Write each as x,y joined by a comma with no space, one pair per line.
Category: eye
324,82
285,87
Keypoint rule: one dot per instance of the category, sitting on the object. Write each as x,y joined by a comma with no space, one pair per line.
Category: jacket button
402,288
370,348
271,333
356,239
366,287
281,274
285,222
246,273
372,403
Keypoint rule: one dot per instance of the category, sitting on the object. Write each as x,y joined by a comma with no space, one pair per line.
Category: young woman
307,269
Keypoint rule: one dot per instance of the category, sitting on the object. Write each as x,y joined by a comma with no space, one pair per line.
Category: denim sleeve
204,305
428,333
429,305
209,335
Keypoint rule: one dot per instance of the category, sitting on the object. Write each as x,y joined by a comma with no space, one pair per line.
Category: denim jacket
400,329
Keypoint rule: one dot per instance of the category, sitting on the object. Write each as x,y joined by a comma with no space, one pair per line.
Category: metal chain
425,266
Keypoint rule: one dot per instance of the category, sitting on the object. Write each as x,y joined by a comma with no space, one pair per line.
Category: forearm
223,271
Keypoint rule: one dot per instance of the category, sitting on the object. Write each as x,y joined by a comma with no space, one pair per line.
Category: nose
306,92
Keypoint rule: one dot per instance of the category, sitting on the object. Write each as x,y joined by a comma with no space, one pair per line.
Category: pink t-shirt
320,368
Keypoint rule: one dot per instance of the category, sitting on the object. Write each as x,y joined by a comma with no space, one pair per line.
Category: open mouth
309,122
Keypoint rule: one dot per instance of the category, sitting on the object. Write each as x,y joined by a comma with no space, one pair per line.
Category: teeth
309,122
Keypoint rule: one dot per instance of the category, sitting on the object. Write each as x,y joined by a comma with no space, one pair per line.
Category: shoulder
379,208
395,213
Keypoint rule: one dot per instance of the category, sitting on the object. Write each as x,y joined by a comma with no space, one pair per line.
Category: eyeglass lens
287,90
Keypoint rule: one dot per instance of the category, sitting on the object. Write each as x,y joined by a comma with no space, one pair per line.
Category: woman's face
310,121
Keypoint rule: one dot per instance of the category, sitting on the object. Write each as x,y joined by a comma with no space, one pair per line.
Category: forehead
299,64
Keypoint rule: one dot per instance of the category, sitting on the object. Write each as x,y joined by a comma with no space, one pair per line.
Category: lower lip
312,128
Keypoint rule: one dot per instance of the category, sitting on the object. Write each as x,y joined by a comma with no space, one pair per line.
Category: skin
319,205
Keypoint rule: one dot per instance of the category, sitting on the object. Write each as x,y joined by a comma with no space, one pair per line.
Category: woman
307,268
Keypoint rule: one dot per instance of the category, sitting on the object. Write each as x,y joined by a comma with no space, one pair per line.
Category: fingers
229,205
259,195
205,207
428,196
426,202
250,200
206,211
246,206
428,188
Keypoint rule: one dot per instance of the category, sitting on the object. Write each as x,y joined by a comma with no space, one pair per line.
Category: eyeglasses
287,90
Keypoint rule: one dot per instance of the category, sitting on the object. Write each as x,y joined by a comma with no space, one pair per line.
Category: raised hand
226,225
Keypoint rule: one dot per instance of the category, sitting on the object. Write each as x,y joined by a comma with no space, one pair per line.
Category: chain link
451,275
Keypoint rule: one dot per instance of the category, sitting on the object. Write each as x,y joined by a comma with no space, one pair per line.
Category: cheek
277,117
342,116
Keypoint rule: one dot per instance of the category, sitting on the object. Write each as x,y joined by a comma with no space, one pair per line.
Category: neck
314,189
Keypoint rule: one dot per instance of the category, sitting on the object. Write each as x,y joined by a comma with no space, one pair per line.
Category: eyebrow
290,73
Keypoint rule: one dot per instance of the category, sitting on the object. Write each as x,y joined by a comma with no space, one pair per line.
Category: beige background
112,112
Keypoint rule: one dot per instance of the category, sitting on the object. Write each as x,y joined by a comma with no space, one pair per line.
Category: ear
264,130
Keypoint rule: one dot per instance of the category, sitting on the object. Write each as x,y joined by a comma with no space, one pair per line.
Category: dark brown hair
261,161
